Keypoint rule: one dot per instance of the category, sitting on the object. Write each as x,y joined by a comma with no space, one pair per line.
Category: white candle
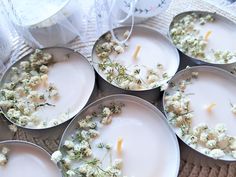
70,76
27,160
223,32
153,50
60,91
217,88
202,113
138,135
208,37
147,150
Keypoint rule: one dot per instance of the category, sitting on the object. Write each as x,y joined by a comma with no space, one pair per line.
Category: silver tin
9,143
119,98
151,94
58,129
187,60
186,73
20,142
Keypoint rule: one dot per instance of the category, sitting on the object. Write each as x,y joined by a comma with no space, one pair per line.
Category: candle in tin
39,90
146,61
205,36
200,106
25,159
119,135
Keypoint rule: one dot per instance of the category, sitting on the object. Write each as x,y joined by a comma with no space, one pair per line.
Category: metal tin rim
203,12
165,113
22,58
25,142
15,142
135,98
137,26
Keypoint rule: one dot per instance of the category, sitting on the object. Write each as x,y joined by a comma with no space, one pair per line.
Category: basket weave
193,164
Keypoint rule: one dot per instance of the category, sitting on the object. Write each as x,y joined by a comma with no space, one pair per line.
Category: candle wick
210,107
207,35
136,52
119,146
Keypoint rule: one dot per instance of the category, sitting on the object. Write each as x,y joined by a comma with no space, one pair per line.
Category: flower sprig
20,96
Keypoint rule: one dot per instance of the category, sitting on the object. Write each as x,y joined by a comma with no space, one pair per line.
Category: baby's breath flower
3,156
164,86
70,173
5,150
187,37
211,141
3,159
77,149
69,144
56,156
119,75
13,128
21,97
216,153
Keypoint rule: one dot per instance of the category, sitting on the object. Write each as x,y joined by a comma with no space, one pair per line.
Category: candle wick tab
136,52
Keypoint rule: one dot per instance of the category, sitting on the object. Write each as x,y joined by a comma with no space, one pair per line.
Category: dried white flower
69,144
164,86
5,150
119,49
56,156
3,159
216,153
70,173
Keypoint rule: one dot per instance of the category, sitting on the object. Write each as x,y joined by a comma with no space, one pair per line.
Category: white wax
222,37
149,147
213,87
28,161
155,49
74,79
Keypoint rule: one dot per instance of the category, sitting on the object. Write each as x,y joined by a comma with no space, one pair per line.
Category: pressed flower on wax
202,110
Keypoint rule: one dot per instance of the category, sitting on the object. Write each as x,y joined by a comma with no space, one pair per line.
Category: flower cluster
3,156
224,56
214,142
20,96
135,78
186,36
76,155
178,106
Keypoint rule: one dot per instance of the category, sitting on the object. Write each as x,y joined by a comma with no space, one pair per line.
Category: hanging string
112,19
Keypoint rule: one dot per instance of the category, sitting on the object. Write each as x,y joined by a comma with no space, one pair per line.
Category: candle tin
149,94
185,75
186,59
138,102
59,54
30,149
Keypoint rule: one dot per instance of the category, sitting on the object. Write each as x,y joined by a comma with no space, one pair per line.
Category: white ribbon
113,20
